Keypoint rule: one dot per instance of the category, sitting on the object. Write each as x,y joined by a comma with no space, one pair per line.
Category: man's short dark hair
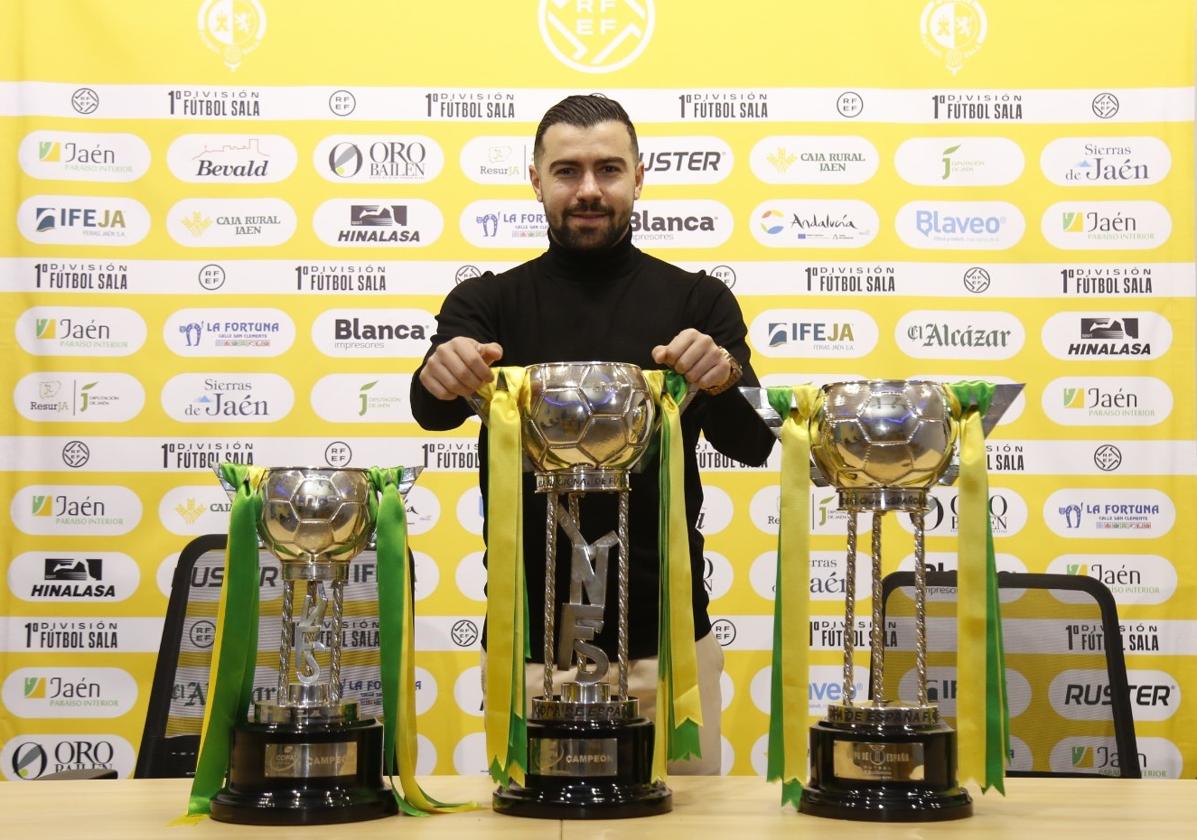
584,111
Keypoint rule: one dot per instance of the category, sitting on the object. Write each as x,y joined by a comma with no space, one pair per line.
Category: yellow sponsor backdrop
785,70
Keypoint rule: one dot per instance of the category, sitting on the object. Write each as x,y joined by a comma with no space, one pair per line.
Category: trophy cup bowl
875,441
306,757
313,513
587,422
585,426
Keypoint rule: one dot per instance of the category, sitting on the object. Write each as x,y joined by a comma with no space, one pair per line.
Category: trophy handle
758,398
228,488
480,406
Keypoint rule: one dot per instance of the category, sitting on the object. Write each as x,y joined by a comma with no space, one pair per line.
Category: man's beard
596,238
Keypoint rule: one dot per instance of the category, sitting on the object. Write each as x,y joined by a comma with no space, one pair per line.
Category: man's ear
534,177
639,179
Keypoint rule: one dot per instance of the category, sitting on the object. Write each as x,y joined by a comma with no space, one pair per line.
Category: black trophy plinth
329,772
884,771
587,770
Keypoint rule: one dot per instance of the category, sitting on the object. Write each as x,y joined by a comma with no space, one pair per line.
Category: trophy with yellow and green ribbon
883,445
307,756
584,752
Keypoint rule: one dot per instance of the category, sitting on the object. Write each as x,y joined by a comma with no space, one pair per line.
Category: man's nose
588,187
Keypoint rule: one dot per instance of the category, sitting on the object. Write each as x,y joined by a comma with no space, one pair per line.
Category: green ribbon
396,630
983,724
789,676
505,723
679,709
231,674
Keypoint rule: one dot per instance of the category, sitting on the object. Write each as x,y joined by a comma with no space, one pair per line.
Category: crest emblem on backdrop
954,30
232,28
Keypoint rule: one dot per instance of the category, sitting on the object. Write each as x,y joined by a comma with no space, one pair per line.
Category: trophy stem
286,634
920,605
334,657
622,651
550,589
877,640
850,612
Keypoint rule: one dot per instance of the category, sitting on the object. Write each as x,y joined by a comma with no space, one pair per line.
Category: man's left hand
696,356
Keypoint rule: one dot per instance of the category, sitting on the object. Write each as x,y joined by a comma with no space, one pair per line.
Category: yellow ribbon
973,703
788,732
679,706
505,713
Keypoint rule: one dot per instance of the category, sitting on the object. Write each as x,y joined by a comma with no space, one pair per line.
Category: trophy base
587,770
287,775
884,773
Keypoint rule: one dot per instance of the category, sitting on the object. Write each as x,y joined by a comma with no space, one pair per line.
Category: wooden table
728,808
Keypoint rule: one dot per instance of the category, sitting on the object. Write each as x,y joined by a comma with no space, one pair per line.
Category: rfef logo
596,36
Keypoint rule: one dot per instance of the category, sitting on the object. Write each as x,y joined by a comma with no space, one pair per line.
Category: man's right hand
459,367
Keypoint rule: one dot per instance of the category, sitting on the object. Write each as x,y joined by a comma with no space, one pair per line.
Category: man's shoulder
488,283
698,281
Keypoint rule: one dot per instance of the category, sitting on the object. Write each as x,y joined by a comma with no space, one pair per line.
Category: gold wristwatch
732,377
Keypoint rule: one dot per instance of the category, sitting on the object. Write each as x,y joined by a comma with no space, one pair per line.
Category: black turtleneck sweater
614,306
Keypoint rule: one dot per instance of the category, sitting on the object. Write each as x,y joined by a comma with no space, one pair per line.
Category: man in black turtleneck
594,296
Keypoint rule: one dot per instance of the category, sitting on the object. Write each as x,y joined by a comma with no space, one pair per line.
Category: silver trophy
586,426
307,756
883,445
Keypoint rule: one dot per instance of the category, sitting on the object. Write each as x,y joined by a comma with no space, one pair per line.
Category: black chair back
179,689
1070,707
